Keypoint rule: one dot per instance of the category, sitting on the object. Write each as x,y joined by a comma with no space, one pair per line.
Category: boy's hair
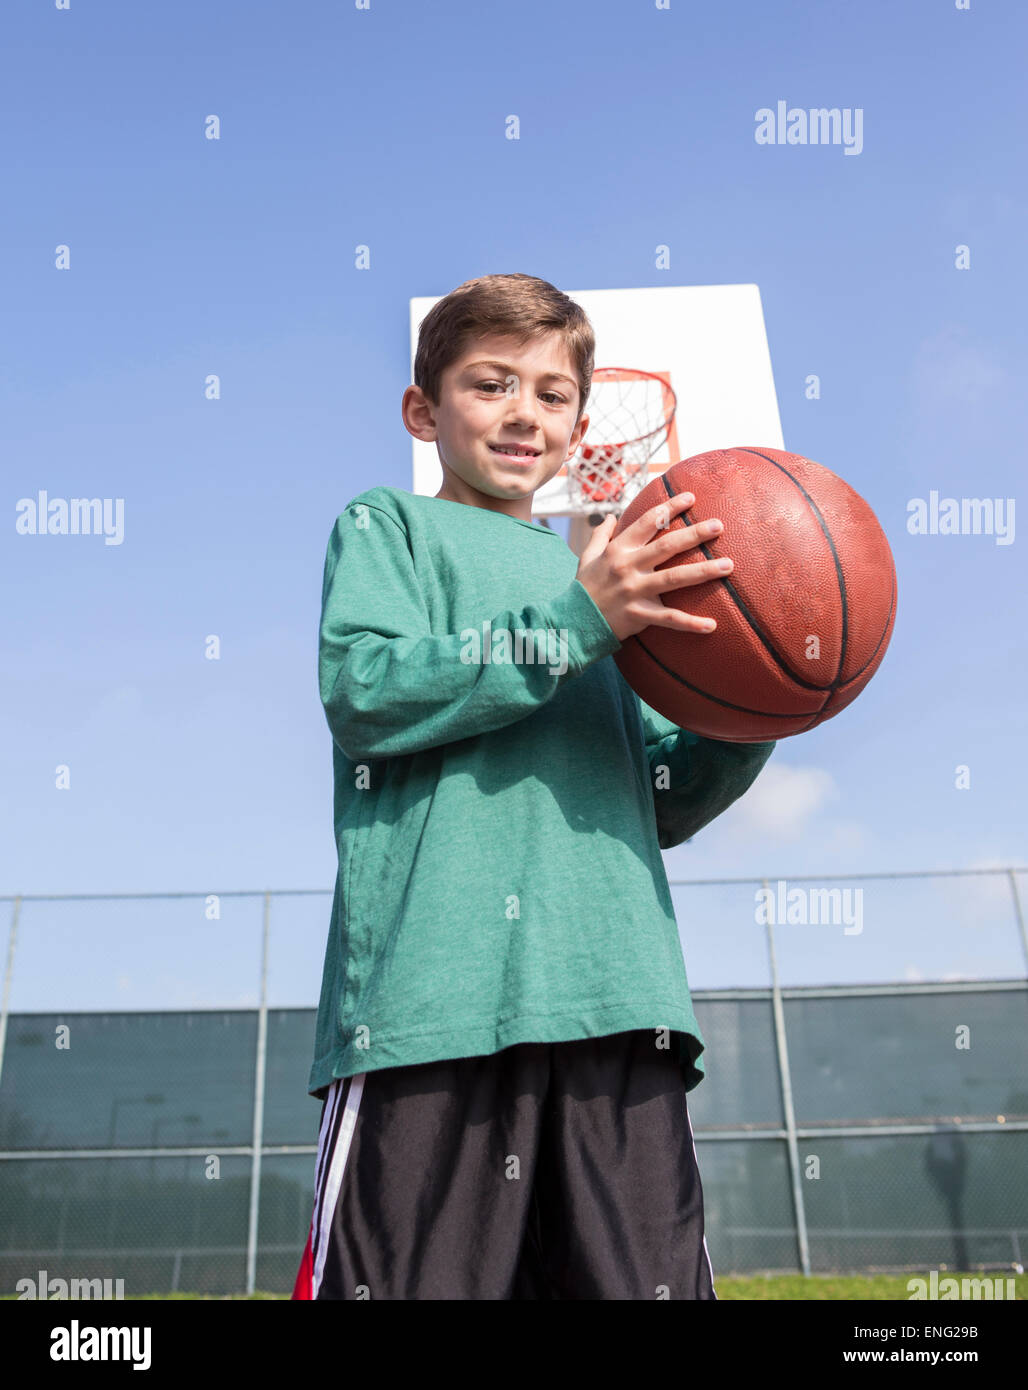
518,306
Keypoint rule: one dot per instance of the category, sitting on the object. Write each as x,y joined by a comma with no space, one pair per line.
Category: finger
597,542
657,519
662,616
683,538
684,576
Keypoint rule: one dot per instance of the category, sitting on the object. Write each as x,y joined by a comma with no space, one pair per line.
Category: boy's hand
621,578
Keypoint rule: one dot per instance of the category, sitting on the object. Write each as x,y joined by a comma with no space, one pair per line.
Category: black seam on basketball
714,699
892,607
828,537
818,719
775,656
825,713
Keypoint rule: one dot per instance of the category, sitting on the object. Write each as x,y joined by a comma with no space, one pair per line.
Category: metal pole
8,973
258,1108
790,1118
1020,915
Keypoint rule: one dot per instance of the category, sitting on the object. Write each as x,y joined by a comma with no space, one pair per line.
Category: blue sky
385,128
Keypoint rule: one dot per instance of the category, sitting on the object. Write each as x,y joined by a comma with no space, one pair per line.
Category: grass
754,1287
839,1287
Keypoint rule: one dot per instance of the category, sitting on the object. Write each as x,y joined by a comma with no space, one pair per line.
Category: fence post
790,1118
1020,915
8,973
258,1107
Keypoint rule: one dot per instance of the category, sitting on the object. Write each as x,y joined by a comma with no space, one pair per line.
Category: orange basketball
804,618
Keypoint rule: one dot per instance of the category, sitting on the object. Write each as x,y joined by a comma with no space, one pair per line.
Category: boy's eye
501,386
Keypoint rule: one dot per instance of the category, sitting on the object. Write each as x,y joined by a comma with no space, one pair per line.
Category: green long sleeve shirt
498,814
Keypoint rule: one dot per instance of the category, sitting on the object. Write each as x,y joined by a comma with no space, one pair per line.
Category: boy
505,1036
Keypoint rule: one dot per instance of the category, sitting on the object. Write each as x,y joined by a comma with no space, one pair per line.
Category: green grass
835,1287
752,1287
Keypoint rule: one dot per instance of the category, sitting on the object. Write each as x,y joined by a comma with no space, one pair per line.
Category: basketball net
630,415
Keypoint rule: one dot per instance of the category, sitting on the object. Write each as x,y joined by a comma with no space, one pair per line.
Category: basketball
803,619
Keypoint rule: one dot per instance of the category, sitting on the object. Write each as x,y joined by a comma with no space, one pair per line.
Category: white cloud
784,800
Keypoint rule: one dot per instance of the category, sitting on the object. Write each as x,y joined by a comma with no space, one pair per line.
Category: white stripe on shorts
334,1141
697,1163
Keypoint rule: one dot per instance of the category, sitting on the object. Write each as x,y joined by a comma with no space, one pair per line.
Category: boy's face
499,394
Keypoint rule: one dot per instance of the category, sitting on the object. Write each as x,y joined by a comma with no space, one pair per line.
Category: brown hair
518,306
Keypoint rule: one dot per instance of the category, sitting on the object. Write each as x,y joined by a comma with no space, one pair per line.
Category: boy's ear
418,414
577,435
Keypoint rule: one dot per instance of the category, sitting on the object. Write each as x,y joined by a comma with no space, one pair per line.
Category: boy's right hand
621,577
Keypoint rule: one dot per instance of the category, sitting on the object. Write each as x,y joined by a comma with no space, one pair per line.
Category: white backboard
708,341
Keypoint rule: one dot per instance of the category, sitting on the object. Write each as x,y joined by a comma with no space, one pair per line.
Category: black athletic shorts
544,1171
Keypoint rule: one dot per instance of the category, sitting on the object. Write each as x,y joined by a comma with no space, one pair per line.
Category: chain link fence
865,1106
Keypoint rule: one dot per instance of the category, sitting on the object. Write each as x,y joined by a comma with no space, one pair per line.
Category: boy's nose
522,416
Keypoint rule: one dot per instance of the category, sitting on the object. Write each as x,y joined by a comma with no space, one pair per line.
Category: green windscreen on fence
951,1067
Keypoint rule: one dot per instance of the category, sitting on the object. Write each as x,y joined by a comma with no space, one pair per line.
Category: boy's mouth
515,451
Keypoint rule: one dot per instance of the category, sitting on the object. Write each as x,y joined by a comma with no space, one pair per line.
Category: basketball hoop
600,471
630,416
